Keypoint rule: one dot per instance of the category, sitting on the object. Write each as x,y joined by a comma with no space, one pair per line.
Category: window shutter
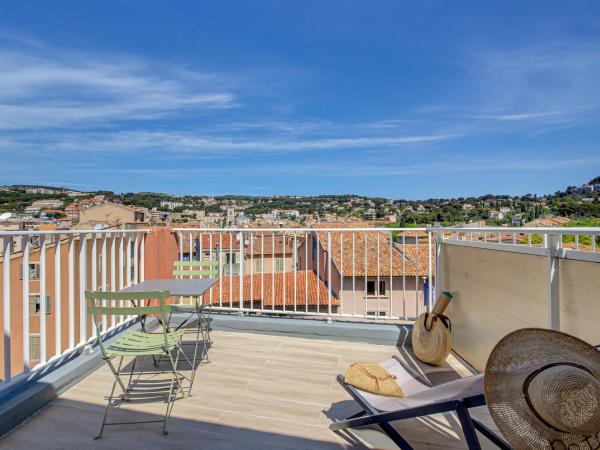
20,271
34,347
47,304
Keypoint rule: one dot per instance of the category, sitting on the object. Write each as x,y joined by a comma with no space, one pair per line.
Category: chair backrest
99,303
195,269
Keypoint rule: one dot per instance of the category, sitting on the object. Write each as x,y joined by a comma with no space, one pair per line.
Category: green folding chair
136,343
197,307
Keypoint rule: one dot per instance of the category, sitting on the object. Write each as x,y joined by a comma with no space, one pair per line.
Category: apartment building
50,204
370,273
261,252
109,215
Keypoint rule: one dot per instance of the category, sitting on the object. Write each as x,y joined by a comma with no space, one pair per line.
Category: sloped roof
369,254
267,244
226,240
264,283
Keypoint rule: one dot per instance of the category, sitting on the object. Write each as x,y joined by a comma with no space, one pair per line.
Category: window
34,346
375,313
371,287
314,249
34,271
35,305
230,258
278,264
259,265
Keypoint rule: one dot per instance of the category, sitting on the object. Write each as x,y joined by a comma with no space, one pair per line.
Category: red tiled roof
303,278
265,243
374,247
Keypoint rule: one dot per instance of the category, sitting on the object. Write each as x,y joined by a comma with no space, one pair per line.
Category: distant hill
573,202
595,181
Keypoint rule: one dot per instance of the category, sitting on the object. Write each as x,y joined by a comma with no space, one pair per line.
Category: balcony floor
259,392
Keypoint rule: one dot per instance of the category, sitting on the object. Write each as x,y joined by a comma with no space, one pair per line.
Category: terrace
286,326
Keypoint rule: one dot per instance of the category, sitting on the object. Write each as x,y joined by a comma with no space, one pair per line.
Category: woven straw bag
373,378
432,346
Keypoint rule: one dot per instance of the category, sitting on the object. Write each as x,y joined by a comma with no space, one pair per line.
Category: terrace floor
259,392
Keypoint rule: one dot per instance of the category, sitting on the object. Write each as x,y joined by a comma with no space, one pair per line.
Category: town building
171,204
109,215
370,275
494,214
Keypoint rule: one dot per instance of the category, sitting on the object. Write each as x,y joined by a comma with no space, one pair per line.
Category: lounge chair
421,398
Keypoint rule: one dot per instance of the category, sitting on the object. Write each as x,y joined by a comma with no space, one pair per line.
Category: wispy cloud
197,144
551,82
366,169
352,169
45,87
524,116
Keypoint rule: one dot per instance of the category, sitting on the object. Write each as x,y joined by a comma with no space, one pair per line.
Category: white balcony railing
346,273
67,263
381,273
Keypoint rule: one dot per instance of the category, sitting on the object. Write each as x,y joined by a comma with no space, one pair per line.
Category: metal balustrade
555,244
334,273
376,273
77,260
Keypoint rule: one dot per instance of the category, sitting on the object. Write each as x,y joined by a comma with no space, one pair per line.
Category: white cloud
44,87
545,83
196,144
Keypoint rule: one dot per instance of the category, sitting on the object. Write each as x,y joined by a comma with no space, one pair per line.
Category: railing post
329,252
6,306
241,269
82,288
553,244
434,293
42,294
25,273
429,268
71,291
57,297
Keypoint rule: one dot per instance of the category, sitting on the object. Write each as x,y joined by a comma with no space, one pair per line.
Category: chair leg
174,364
497,440
174,379
391,432
205,326
468,428
195,358
116,374
131,375
110,397
209,312
170,400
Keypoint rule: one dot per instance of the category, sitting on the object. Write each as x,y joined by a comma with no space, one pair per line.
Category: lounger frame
372,416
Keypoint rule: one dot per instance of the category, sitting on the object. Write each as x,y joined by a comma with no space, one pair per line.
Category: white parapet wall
498,291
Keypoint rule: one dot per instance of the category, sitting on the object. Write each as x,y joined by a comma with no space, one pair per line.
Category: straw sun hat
542,388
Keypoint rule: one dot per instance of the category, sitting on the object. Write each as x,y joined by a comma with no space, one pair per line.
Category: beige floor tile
259,392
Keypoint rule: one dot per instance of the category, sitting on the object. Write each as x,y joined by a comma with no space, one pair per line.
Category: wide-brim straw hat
542,388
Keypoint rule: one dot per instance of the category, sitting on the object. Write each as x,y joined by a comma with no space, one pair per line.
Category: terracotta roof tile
371,251
264,283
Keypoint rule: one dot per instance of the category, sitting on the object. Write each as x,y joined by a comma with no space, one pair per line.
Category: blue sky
401,99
